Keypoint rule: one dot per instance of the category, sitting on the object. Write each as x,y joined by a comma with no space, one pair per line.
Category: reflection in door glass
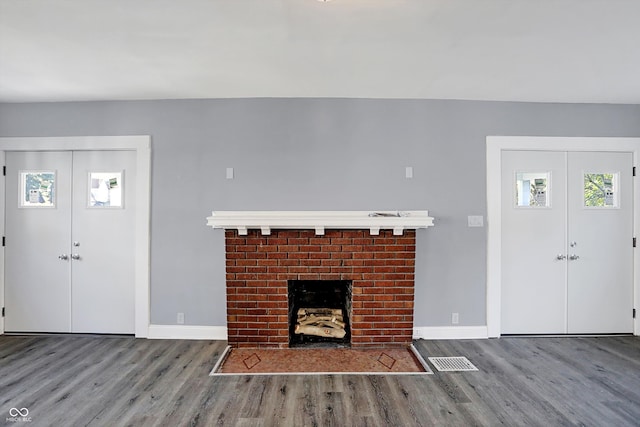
532,189
105,189
600,190
37,188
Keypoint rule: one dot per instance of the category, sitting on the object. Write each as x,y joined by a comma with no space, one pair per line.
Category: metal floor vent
452,364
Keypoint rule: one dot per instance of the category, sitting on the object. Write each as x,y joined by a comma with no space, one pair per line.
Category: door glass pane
532,189
37,189
600,190
105,189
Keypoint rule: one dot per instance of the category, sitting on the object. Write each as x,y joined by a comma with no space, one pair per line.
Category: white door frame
141,144
495,146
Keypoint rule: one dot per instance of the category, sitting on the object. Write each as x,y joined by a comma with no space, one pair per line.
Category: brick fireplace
378,263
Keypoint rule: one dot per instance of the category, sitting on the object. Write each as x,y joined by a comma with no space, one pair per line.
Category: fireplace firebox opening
319,312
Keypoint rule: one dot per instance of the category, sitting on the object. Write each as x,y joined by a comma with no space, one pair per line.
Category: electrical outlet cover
475,221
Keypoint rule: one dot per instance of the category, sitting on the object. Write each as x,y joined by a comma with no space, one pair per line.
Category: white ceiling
520,50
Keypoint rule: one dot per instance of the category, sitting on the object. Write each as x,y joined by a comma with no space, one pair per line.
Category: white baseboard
450,332
187,332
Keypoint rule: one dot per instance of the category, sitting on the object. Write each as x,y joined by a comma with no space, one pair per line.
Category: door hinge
2,311
4,171
634,171
634,313
3,241
634,242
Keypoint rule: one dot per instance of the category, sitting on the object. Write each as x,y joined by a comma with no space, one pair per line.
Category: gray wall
316,154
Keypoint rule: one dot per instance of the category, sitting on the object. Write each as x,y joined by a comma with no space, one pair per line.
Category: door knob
63,257
75,256
561,257
573,257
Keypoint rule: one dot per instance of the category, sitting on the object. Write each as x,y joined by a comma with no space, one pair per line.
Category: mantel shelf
398,221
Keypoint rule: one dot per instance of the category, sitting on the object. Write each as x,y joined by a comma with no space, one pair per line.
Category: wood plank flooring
122,381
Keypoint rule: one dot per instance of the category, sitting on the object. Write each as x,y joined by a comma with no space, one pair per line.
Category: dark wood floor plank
516,388
122,392
96,388
176,382
40,389
258,393
581,375
112,381
192,380
547,389
358,396
389,408
308,411
250,422
217,401
528,380
279,403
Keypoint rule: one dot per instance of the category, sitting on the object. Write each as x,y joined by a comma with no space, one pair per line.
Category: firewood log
310,320
307,320
329,324
320,332
319,311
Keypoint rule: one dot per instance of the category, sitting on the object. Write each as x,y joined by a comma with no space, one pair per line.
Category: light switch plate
229,173
408,172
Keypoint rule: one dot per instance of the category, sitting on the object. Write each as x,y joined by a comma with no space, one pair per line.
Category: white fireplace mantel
398,221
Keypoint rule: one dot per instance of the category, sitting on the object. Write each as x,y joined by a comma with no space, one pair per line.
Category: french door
567,253
69,255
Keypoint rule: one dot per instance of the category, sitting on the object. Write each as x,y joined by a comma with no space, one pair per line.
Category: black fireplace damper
320,294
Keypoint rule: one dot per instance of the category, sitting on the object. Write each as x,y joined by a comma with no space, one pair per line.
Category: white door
533,280
103,233
566,242
600,237
38,226
71,215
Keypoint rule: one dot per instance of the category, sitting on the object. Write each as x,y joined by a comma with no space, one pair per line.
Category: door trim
495,146
141,144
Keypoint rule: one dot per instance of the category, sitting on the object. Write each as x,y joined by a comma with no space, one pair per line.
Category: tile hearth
338,360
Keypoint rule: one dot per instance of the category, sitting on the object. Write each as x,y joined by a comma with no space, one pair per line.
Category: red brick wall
381,269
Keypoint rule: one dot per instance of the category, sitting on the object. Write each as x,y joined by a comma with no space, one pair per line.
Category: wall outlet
475,221
180,319
455,318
